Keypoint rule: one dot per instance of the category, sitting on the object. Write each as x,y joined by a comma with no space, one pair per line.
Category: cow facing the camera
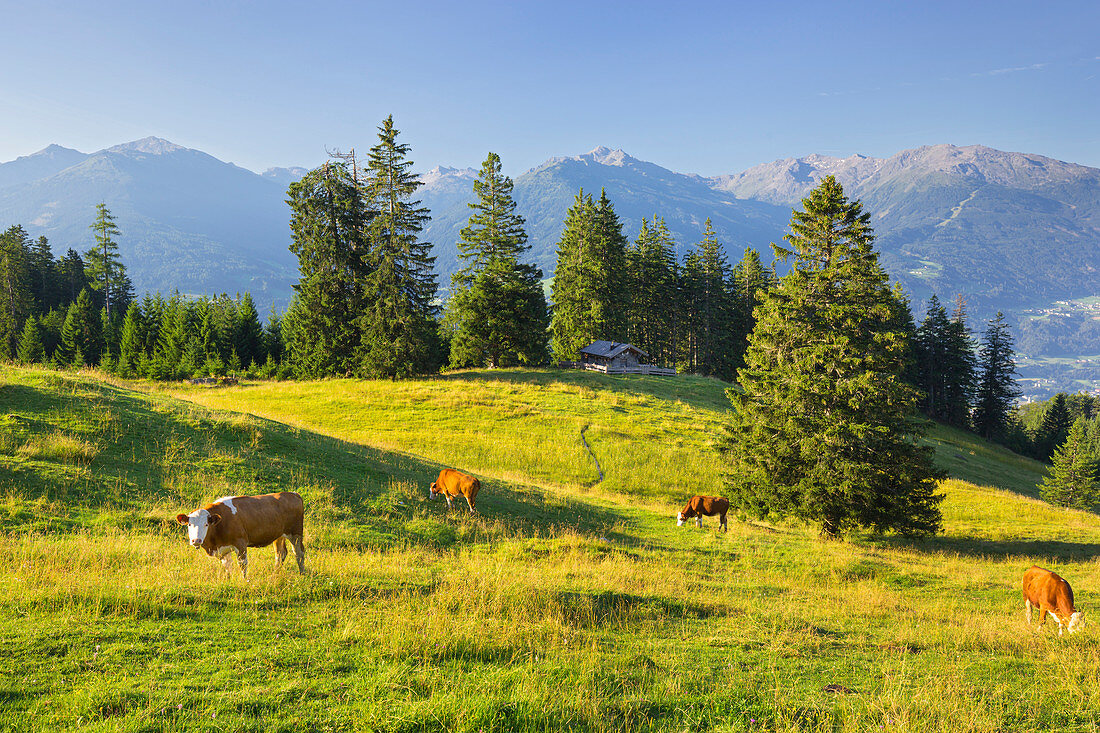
235,523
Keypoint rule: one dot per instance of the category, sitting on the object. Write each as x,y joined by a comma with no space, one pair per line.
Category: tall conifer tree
329,217
16,300
654,301
609,262
997,390
497,311
579,314
750,281
824,429
710,322
400,334
105,270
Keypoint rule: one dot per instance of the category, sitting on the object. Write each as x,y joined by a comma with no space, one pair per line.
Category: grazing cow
453,484
700,506
1050,593
239,522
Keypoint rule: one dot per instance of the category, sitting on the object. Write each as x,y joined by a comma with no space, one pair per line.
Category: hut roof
610,349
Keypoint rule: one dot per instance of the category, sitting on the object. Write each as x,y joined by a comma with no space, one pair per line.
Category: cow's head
432,493
1076,621
198,523
680,519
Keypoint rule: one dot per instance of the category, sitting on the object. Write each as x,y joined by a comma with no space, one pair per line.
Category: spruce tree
400,335
609,263
31,349
1072,479
960,368
749,282
16,300
273,336
497,311
997,392
43,270
654,290
248,335
105,270
81,339
70,277
50,325
711,308
1056,424
131,342
579,314
824,429
591,279
329,216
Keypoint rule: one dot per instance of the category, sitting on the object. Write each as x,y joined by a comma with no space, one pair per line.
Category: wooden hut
612,357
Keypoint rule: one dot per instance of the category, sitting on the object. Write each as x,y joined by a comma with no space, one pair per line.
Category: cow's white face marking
1076,621
680,519
197,525
227,502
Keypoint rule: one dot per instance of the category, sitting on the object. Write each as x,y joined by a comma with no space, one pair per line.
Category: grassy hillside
567,604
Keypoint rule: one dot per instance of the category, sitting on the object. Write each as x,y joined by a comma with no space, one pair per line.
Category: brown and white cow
1050,593
239,522
453,484
700,506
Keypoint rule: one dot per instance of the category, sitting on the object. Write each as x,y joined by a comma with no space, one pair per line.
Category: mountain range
188,221
1009,231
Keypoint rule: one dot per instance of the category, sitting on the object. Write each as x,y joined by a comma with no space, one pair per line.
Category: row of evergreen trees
51,299
964,383
158,338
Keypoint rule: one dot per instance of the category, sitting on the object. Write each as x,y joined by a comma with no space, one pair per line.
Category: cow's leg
699,521
470,504
225,554
1042,616
722,523
449,504
299,552
1027,611
1057,621
280,549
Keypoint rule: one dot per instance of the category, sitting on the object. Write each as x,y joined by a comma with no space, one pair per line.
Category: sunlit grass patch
59,447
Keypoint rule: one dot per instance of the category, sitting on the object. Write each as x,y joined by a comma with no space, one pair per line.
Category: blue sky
704,87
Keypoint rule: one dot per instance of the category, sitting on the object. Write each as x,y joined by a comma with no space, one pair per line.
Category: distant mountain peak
441,172
148,145
54,149
606,156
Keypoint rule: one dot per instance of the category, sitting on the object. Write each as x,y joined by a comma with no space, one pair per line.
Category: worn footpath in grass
560,607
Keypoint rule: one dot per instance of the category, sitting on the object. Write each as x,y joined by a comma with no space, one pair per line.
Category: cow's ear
182,518
213,519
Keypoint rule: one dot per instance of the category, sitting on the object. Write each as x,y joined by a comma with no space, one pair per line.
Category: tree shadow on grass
1012,549
158,451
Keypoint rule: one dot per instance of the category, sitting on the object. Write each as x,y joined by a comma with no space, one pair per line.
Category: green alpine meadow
566,603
